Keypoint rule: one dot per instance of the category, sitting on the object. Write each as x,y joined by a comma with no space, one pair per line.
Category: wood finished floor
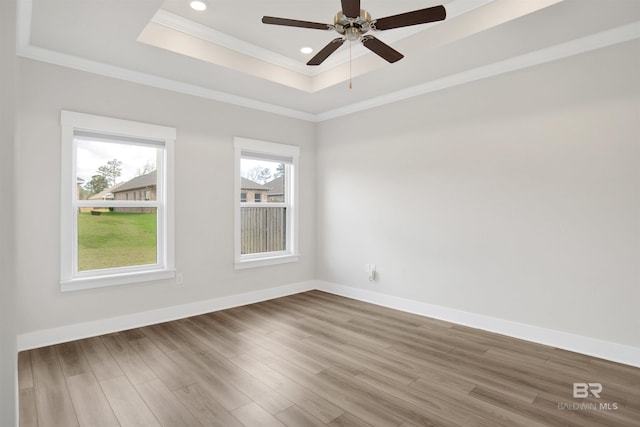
316,359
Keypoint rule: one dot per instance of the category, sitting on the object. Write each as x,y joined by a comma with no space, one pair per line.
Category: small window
117,226
267,224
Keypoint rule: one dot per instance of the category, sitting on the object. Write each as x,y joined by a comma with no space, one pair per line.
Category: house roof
142,181
247,184
104,194
276,186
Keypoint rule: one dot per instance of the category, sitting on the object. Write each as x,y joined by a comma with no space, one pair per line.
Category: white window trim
270,258
70,278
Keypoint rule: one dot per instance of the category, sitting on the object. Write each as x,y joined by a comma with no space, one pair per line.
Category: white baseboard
94,328
615,352
578,343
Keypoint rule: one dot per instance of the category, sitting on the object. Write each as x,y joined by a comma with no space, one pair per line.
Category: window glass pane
116,237
263,229
262,181
115,171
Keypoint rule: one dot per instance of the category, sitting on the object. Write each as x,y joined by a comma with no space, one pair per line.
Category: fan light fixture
353,24
198,5
306,50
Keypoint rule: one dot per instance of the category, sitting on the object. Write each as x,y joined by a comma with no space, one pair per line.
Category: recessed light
198,5
306,50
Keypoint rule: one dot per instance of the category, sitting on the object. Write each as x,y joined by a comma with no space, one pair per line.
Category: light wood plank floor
316,359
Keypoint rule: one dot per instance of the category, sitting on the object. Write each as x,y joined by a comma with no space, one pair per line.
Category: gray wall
515,197
204,195
8,82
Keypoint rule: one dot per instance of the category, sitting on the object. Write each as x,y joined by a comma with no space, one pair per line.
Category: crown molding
26,50
599,40
108,70
187,26
585,44
202,32
194,29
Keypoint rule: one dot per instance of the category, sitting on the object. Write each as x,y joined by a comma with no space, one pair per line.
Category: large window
117,202
266,203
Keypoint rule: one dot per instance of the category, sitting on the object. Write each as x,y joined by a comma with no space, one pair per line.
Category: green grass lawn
114,239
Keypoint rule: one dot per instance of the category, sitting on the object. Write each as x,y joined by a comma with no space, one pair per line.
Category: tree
279,171
83,193
97,184
259,174
111,171
147,168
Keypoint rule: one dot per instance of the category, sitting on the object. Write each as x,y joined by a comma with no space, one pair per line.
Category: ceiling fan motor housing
352,28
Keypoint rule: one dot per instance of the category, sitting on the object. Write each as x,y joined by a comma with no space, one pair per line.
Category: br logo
583,390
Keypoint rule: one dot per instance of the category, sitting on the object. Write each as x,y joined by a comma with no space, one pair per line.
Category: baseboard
94,328
615,352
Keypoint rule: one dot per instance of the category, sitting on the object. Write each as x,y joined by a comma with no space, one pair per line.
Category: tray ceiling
226,53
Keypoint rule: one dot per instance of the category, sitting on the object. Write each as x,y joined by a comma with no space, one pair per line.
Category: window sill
263,262
115,279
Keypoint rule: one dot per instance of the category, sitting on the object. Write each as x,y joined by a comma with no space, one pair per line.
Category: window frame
70,278
291,253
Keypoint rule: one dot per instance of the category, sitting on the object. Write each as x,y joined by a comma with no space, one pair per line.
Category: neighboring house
143,187
106,194
276,189
252,191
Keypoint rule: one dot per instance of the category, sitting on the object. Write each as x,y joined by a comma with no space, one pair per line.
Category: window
266,230
117,202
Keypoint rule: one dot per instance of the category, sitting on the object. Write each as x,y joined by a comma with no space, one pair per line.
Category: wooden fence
263,229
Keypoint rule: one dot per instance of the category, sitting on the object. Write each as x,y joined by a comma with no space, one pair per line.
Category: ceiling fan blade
381,49
326,51
422,16
351,8
295,23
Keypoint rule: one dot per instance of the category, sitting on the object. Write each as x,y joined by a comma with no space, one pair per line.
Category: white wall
8,82
204,196
515,197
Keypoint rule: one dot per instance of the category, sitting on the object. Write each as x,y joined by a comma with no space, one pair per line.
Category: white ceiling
226,53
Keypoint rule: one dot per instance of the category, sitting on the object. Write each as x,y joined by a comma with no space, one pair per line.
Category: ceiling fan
352,23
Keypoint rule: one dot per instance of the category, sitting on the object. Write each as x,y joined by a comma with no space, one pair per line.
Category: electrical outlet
370,269
179,279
